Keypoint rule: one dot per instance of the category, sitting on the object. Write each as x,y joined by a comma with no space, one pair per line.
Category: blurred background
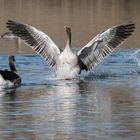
86,18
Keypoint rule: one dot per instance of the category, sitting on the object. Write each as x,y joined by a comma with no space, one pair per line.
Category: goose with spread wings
85,59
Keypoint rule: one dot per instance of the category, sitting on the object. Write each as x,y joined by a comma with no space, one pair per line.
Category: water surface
101,104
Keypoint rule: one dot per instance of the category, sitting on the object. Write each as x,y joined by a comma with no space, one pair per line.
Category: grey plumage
38,40
103,44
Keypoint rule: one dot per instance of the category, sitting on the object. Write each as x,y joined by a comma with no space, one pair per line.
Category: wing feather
103,44
37,40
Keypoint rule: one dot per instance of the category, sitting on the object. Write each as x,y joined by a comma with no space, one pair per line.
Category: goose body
9,78
73,63
67,63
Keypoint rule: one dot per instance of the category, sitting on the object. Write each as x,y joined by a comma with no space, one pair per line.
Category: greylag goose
10,78
85,59
8,35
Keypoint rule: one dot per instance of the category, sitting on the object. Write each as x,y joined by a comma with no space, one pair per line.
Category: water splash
136,57
61,75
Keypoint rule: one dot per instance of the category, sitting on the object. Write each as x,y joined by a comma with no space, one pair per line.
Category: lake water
103,104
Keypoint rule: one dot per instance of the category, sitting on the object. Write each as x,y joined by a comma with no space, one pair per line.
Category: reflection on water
62,111
103,104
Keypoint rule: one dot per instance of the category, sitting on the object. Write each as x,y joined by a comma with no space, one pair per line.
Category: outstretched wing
103,44
37,40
